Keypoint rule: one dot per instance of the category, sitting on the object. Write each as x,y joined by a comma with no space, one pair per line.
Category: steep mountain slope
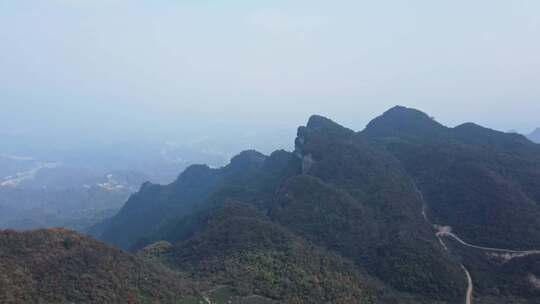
250,176
501,277
382,226
59,266
349,215
239,249
337,191
483,183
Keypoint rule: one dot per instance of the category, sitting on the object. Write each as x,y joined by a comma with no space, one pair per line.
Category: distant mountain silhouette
535,136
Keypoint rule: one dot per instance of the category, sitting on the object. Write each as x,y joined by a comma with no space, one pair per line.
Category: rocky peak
401,120
321,127
248,158
195,173
323,124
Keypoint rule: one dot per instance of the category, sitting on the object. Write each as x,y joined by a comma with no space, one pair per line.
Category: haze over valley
297,152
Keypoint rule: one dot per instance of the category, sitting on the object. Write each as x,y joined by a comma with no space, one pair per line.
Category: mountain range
75,184
405,211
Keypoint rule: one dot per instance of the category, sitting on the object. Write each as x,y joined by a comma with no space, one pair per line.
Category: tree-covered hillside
483,183
60,266
401,212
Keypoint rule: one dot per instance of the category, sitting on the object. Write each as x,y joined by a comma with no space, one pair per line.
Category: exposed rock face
307,162
156,249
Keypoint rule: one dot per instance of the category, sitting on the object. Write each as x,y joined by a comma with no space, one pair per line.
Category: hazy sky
120,67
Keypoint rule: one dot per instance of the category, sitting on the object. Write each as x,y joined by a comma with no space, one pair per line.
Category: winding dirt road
468,295
207,300
439,235
446,231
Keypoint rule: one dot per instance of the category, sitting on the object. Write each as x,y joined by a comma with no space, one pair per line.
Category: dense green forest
344,218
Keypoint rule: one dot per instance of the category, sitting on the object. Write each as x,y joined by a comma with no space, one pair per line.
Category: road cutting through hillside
207,300
468,295
470,285
446,231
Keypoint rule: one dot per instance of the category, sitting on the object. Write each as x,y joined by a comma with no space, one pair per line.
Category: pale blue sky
122,66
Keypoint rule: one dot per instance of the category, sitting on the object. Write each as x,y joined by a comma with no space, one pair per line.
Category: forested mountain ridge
479,185
336,191
250,174
483,183
401,212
